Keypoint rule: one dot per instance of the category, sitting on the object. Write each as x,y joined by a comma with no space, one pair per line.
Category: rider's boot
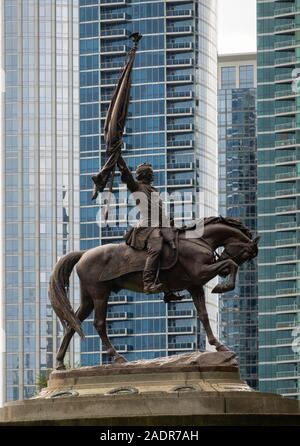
150,274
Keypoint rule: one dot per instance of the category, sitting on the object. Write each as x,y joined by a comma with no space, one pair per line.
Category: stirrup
154,288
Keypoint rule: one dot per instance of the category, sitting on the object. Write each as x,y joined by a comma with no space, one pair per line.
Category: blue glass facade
278,196
237,199
40,178
171,124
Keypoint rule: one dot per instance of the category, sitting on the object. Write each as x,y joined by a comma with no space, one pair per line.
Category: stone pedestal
194,389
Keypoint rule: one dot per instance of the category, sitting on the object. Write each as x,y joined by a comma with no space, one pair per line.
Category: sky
236,26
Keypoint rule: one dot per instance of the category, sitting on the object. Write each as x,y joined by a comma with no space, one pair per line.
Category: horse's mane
233,222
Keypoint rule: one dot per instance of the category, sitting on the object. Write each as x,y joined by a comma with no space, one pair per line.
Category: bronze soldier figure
153,227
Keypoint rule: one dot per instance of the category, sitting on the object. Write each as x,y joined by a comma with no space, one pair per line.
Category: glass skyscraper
172,124
237,199
278,196
40,178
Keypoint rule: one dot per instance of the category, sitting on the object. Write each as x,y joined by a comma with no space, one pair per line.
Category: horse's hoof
120,360
60,367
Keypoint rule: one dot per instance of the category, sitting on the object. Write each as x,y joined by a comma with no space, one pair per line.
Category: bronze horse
196,265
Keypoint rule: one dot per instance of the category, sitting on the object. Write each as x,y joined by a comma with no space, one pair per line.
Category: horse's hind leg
199,301
100,305
85,309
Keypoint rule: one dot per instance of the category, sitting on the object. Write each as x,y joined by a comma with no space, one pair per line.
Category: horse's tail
58,284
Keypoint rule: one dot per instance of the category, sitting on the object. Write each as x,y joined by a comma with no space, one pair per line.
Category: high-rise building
278,27
172,124
237,199
40,178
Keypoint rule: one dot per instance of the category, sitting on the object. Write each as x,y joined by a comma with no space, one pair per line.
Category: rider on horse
153,226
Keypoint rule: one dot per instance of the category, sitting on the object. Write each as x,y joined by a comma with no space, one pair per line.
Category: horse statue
195,265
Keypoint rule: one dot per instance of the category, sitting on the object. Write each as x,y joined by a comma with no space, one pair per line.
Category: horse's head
241,252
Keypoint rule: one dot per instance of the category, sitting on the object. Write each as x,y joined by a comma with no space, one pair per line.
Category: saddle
122,259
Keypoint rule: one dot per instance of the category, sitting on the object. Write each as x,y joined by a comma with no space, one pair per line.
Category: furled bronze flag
115,121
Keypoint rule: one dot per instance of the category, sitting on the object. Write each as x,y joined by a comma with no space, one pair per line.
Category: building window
246,76
228,77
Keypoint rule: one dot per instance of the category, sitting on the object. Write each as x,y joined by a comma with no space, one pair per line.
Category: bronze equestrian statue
195,265
145,263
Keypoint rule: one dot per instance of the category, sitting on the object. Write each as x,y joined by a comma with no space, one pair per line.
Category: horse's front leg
224,268
198,296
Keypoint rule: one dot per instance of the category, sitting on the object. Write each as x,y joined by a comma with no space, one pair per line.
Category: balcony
180,30
180,62
112,233
184,144
288,258
182,182
181,330
287,325
117,316
292,373
117,300
181,46
123,348
180,13
113,49
104,3
187,111
286,126
285,242
291,109
286,11
179,95
285,159
114,332
286,192
285,175
287,309
175,128
181,313
284,94
114,17
180,166
111,66
285,142
288,60
285,44
111,82
284,341
288,358
286,291
287,77
113,33
286,275
285,28
182,346
285,209
286,225
180,79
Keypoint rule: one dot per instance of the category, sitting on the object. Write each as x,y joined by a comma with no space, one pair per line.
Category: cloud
236,26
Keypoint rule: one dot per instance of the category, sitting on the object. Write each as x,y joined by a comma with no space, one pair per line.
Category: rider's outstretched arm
126,175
